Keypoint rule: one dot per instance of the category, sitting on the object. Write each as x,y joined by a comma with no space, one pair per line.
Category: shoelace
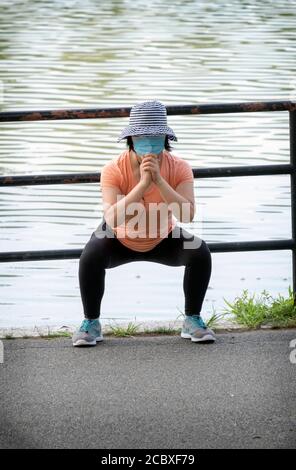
86,324
196,319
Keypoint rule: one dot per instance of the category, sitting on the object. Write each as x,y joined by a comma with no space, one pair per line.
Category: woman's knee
96,251
199,252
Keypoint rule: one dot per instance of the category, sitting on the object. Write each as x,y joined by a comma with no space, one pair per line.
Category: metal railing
231,171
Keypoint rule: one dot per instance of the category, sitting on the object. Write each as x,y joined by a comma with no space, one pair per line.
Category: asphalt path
161,392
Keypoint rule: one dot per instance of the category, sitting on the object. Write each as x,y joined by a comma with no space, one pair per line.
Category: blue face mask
148,144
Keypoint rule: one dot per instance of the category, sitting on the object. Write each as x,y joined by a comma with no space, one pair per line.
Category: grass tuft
123,331
162,330
212,322
276,312
58,334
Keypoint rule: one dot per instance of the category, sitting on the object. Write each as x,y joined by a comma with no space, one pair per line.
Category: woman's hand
145,176
151,162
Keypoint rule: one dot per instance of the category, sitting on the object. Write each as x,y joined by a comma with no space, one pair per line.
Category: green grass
212,322
123,331
58,334
276,312
246,310
9,337
133,329
52,334
162,330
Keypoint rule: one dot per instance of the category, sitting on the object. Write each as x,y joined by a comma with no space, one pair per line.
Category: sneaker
88,334
195,329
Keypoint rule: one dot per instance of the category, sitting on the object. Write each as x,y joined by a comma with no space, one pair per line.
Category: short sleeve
183,172
110,176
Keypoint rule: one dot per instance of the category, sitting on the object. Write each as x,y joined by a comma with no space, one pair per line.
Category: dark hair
129,143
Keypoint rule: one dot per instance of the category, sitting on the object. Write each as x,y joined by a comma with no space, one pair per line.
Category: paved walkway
150,392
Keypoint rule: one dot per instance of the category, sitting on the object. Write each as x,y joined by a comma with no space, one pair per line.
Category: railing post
292,119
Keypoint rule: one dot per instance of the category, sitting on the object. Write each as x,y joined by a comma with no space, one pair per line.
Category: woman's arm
184,194
116,204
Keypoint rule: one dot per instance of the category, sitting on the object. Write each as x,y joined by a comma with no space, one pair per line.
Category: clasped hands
150,162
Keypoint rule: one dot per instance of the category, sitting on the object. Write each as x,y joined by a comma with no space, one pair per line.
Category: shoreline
168,328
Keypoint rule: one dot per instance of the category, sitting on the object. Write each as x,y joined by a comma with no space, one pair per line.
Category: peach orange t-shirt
118,173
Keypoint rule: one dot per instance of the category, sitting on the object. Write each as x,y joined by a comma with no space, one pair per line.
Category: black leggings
104,251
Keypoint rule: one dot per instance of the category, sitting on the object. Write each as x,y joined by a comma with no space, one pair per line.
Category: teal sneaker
195,329
88,334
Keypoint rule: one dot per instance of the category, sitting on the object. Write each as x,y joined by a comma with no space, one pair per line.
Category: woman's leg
92,263
100,252
183,248
179,248
196,279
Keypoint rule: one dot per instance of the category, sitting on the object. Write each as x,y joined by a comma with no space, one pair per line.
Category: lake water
56,54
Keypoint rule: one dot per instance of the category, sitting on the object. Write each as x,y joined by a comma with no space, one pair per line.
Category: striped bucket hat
148,117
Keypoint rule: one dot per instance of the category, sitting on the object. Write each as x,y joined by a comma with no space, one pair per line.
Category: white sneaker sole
82,342
207,337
